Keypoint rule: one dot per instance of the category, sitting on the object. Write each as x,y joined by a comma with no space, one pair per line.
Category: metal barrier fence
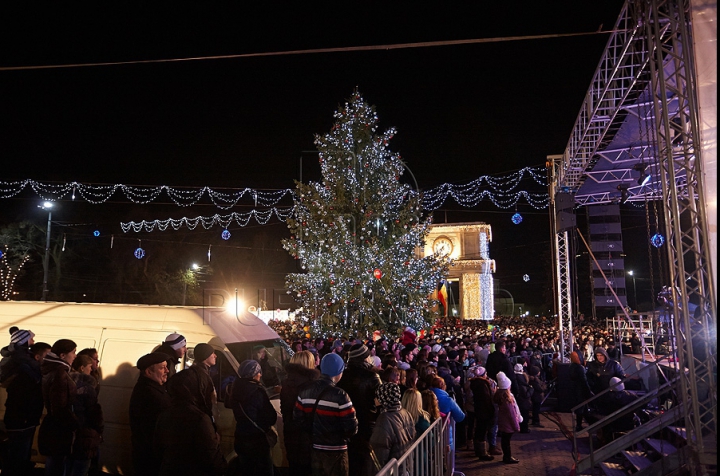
430,455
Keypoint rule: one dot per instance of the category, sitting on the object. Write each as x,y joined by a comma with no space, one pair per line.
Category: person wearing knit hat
481,392
509,416
332,365
357,353
327,410
360,380
503,382
539,388
254,416
205,394
524,396
174,347
22,378
394,431
22,337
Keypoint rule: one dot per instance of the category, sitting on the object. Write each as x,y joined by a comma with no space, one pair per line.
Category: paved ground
543,451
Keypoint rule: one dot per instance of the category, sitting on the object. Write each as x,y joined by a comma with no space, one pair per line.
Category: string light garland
242,219
500,190
142,195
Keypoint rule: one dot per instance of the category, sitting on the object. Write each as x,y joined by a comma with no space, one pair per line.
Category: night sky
461,111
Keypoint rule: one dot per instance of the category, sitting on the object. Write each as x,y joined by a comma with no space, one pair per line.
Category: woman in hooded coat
394,430
300,371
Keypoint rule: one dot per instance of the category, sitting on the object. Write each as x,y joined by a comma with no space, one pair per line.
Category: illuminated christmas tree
356,234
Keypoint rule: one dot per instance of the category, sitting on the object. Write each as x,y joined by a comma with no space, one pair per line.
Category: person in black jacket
498,361
22,378
580,389
361,381
149,398
185,441
524,397
483,390
601,370
254,415
327,414
301,371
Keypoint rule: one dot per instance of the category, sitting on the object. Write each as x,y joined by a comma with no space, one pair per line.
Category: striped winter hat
21,337
176,341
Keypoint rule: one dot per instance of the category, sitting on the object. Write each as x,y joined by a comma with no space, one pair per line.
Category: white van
122,333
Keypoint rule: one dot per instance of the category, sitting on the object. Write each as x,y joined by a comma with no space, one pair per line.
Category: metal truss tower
648,66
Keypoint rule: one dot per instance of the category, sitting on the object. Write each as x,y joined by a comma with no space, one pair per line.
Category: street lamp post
46,260
632,275
195,267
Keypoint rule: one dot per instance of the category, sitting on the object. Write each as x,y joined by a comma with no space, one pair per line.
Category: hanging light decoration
657,240
517,218
96,233
225,235
526,277
139,252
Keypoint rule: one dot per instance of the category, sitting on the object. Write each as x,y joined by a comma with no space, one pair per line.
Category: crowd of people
349,404
63,381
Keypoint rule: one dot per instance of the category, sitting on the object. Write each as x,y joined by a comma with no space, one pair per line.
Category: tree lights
352,231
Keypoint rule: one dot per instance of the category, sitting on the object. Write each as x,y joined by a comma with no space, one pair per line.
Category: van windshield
273,356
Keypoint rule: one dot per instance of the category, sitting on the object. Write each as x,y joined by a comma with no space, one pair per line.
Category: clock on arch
442,245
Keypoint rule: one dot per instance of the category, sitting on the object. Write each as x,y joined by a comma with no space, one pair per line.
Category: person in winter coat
538,394
300,372
498,361
412,403
22,378
483,390
446,404
580,389
327,414
95,371
601,370
149,398
174,347
57,431
185,441
89,414
361,381
509,417
394,431
524,397
617,399
254,415
204,358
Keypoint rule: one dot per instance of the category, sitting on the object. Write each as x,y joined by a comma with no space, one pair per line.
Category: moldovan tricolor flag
443,297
